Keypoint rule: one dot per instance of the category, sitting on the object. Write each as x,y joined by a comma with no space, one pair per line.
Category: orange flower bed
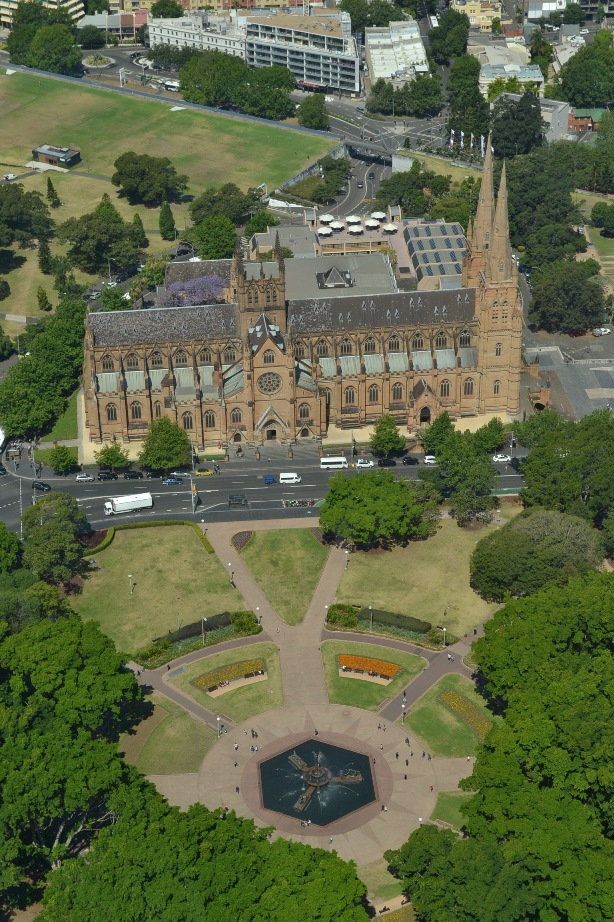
366,664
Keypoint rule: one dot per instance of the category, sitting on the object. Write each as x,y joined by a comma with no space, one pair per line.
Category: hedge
405,622
121,527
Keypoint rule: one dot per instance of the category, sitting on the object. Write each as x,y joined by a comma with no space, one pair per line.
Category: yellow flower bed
469,713
230,673
366,664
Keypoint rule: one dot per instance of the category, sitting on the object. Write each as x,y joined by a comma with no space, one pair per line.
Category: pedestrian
404,777
411,753
423,754
168,667
277,631
315,732
405,693
330,841
449,656
237,789
236,764
236,746
469,758
407,762
382,747
428,758
452,658
384,727
407,740
379,726
397,756
245,732
374,760
431,786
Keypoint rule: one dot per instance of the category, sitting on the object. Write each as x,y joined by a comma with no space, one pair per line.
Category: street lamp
218,718
204,621
257,615
131,583
230,572
444,638
403,712
326,614
347,559
370,619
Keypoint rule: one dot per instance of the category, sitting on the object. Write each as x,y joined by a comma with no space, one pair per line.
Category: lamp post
444,638
326,614
370,619
131,583
204,621
218,718
257,615
230,572
403,712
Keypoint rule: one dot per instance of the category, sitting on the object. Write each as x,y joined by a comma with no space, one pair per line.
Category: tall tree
227,200
52,196
99,239
167,222
214,238
312,112
517,127
53,48
166,9
112,456
165,446
149,180
44,304
139,235
386,437
61,459
568,297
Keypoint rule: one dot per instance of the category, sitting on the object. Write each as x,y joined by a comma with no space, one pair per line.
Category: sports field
211,149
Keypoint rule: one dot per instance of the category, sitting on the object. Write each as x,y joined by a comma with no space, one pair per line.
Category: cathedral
296,346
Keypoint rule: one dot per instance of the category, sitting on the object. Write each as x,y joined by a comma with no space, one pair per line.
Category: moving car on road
430,459
409,459
172,481
502,459
386,462
84,477
204,472
364,462
133,475
39,485
601,331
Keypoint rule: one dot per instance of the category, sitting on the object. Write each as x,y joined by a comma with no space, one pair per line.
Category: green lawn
444,167
242,702
170,741
286,564
359,692
41,455
447,808
175,582
440,729
424,579
379,881
66,425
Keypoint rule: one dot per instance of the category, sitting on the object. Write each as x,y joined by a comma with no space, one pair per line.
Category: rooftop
436,248
319,25
523,72
396,50
369,273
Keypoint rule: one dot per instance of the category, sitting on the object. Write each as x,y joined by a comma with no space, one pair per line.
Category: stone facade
266,364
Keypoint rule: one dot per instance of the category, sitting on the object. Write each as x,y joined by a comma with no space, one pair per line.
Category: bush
245,622
406,622
343,615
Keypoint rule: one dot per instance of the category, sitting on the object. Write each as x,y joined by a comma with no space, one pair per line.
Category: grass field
168,742
361,693
175,582
379,881
66,425
286,564
41,455
447,808
440,730
424,579
445,167
605,252
242,702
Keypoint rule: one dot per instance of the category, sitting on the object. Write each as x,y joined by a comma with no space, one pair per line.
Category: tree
386,437
205,290
374,508
44,256
61,459
23,215
113,456
53,552
568,297
599,213
539,195
99,237
149,180
20,39
228,200
468,110
466,476
490,437
358,11
54,507
139,236
91,37
214,238
211,79
438,434
574,14
530,432
7,347
495,26
608,224
537,549
10,550
114,299
449,38
165,446
53,48
44,304
260,222
167,222
312,112
424,95
588,77
517,127
52,196
166,9
154,270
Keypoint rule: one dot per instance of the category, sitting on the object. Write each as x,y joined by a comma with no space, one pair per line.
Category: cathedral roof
167,324
262,331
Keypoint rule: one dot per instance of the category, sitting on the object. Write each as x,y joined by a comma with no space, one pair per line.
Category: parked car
409,459
84,477
386,462
172,481
502,459
204,472
430,459
601,331
39,485
107,475
179,474
133,475
8,176
151,474
364,462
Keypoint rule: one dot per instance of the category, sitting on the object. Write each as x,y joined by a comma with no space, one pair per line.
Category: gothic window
205,357
268,296
269,383
322,348
496,387
498,349
274,296
397,392
374,394
187,421
250,296
181,357
465,339
304,411
444,390
299,351
468,387
132,361
107,363
236,416
441,341
230,356
350,397
504,314
394,344
135,410
369,347
345,348
209,419
417,343
111,413
157,409
156,360
269,357
495,314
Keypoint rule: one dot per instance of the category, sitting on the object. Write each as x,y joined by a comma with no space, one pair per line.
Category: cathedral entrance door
271,435
425,416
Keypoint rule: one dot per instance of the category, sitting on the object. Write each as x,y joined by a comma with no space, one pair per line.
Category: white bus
171,86
333,464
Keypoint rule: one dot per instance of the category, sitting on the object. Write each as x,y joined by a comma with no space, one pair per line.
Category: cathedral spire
485,214
501,259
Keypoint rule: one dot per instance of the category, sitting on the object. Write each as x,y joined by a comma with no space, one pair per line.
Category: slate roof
167,324
262,331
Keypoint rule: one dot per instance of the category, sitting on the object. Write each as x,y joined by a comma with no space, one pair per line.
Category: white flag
482,144
452,138
471,142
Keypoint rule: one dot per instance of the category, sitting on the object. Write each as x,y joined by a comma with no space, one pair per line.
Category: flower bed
241,539
469,713
225,674
366,664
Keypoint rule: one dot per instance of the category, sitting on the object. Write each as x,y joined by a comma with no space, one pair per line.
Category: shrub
393,619
469,713
343,615
241,540
245,622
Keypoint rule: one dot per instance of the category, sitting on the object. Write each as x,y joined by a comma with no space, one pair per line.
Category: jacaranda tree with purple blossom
205,290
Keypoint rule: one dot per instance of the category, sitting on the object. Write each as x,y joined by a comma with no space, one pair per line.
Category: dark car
39,485
371,176
151,474
107,475
133,475
386,462
2,470
409,459
172,481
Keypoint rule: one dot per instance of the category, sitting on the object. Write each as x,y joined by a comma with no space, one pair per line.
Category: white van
289,478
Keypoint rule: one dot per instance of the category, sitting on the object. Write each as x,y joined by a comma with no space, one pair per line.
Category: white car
84,477
364,462
501,459
430,459
179,474
583,31
602,331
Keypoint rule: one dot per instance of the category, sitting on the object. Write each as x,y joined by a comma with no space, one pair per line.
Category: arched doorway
237,437
425,416
304,433
271,435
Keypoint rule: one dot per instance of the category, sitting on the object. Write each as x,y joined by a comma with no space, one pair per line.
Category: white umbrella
324,231
389,228
371,223
325,218
378,215
356,229
353,219
337,225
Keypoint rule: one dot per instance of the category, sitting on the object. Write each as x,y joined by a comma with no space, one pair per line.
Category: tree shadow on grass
10,260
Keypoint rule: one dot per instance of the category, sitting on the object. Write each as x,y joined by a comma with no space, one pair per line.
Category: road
239,475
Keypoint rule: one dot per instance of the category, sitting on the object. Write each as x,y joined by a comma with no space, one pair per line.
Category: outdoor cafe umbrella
372,223
325,218
389,228
353,219
324,231
378,215
337,225
355,229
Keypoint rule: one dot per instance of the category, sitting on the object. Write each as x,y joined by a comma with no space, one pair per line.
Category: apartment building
200,30
481,12
8,7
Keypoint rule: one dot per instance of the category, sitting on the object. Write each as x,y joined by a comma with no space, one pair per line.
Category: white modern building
199,30
395,52
319,49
